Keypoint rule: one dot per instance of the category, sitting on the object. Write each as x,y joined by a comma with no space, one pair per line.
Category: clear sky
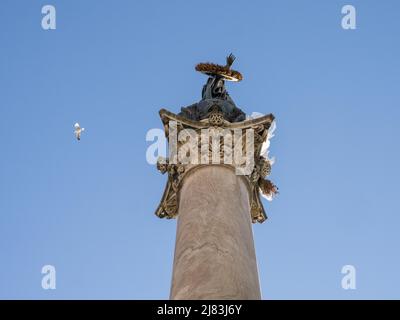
87,207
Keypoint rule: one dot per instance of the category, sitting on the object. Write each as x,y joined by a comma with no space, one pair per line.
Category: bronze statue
214,94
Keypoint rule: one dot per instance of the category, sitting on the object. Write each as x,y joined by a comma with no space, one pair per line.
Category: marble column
214,253
215,207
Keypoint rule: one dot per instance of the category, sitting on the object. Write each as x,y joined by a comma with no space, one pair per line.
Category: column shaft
214,252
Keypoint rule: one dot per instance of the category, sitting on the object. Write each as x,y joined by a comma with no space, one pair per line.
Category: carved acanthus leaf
256,177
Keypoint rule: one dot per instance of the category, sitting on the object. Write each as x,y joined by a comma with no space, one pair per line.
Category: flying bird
78,131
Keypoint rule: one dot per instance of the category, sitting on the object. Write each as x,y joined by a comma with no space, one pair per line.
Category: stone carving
256,179
169,204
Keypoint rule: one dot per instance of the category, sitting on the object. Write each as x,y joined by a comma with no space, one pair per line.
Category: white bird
78,131
265,153
265,146
268,197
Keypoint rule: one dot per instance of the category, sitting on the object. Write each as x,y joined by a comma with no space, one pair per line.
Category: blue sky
87,208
